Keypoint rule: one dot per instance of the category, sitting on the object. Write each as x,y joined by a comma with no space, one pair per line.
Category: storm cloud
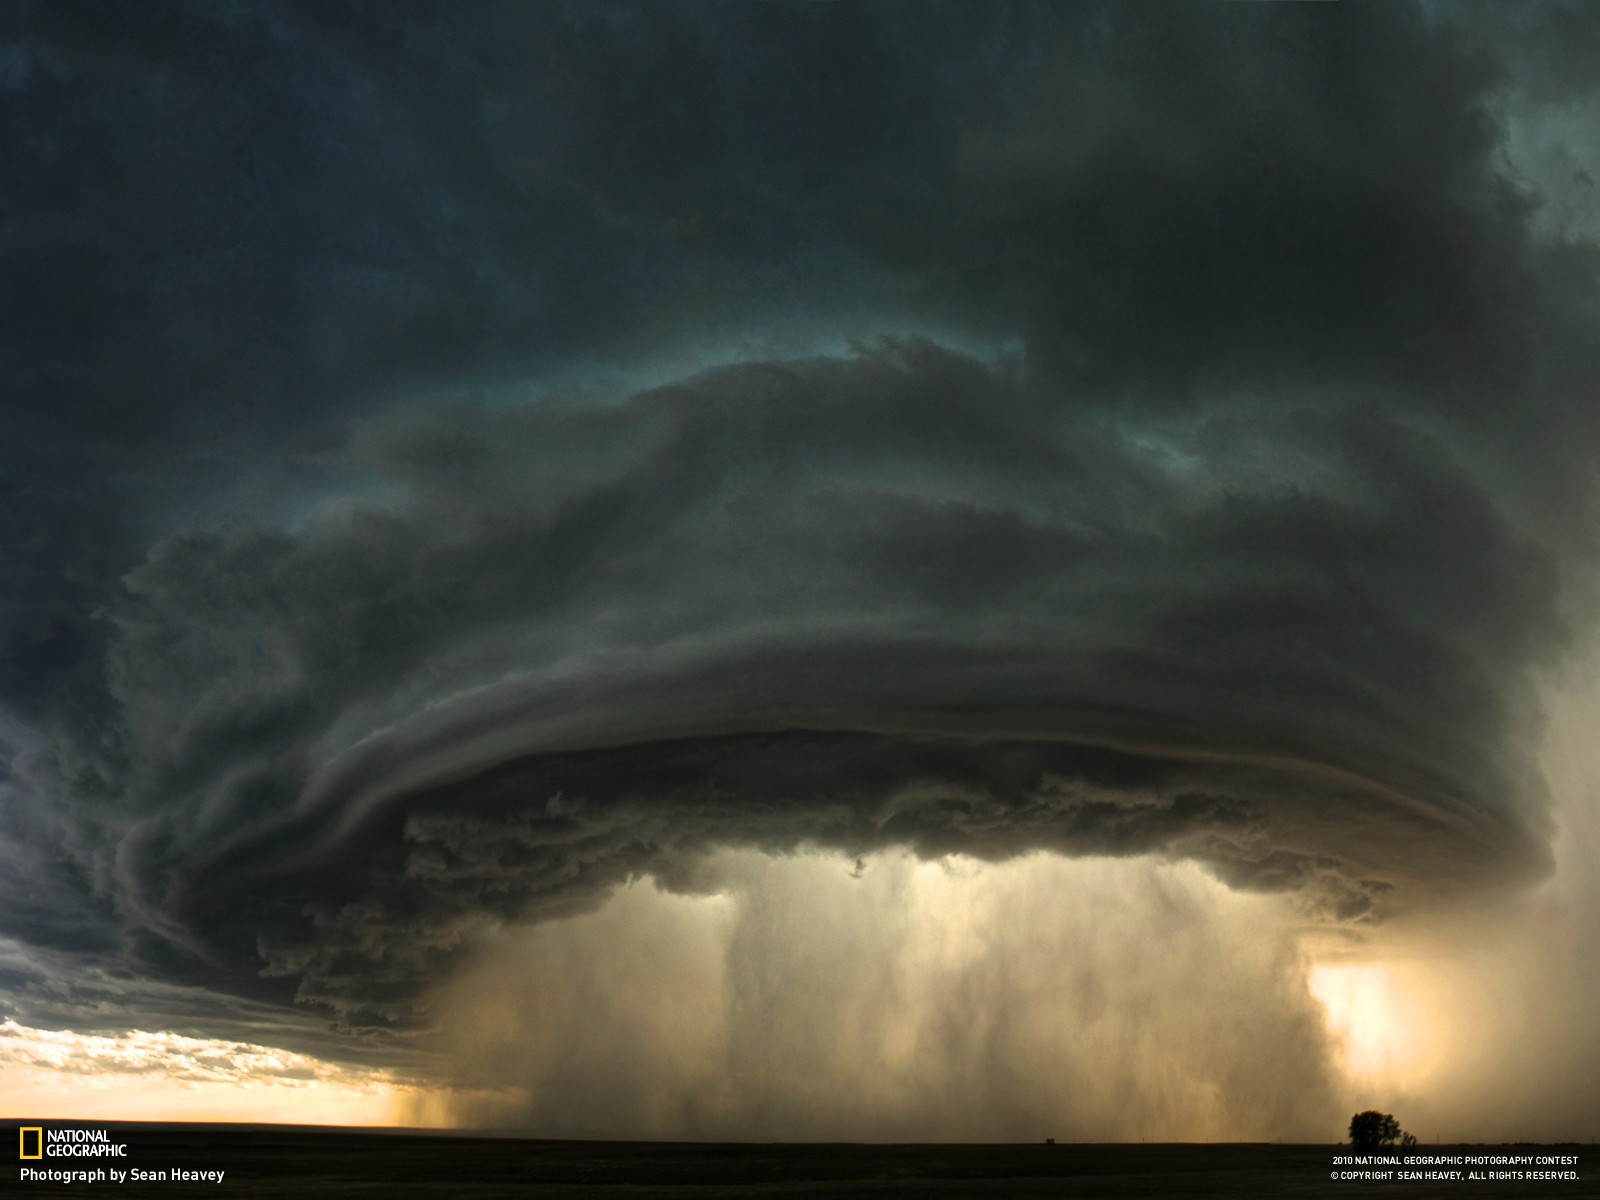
460,461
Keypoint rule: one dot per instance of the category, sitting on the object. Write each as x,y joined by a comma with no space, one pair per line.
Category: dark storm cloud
465,458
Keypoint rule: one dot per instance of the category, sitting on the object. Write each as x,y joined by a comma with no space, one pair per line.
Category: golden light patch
152,1075
1376,1018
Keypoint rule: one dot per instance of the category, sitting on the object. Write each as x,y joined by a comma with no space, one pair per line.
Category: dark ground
282,1161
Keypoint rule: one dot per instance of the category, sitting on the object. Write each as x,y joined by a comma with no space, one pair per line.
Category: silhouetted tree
1373,1130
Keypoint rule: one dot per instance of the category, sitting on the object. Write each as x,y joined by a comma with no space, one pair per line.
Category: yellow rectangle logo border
22,1141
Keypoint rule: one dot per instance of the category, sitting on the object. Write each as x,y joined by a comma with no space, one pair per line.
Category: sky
801,570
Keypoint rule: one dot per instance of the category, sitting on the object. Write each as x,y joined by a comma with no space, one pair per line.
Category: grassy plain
285,1161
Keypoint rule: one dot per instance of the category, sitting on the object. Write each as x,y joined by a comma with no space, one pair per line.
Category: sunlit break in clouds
1380,1025
784,571
144,1076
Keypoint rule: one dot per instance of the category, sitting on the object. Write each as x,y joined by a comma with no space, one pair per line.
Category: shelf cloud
462,461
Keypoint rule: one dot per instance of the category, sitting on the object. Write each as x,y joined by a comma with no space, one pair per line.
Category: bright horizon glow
144,1075
1377,1020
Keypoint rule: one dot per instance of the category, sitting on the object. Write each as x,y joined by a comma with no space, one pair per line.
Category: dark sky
458,458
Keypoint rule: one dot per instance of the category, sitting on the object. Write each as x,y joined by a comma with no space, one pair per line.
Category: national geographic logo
39,1142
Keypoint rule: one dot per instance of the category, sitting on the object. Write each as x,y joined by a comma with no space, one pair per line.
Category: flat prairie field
163,1160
